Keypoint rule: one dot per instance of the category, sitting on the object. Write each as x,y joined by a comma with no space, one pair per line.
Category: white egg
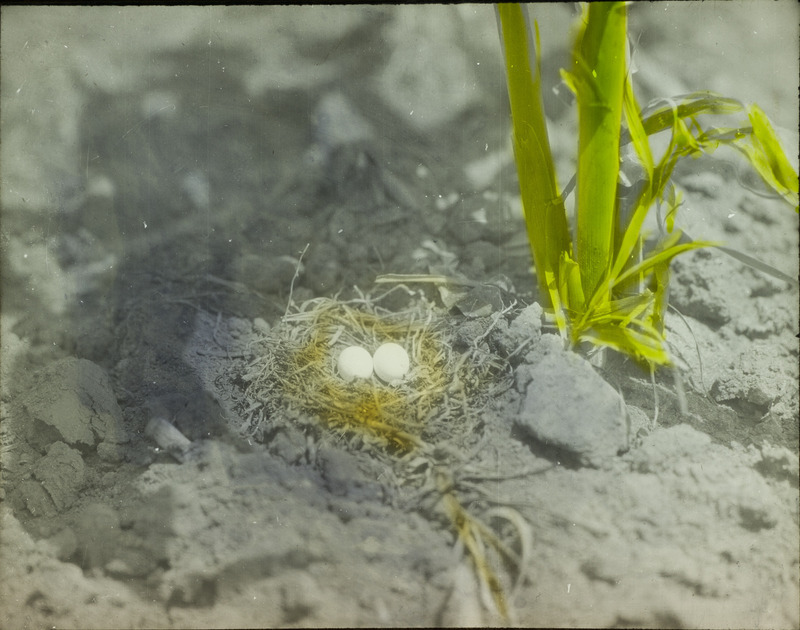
354,362
390,362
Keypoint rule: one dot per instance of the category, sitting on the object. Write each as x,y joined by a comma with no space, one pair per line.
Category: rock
700,287
661,450
62,474
323,270
525,329
343,476
267,274
754,378
761,317
70,401
337,123
706,183
545,345
300,597
339,469
289,444
97,531
11,347
483,217
485,299
775,462
428,79
110,453
462,608
31,496
64,543
567,405
757,508
261,326
727,480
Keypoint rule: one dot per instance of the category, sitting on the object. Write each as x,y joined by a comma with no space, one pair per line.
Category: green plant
603,284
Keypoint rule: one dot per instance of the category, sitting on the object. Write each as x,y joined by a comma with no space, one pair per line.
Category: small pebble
260,325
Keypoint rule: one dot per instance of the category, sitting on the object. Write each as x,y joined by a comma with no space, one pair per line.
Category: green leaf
666,255
646,345
758,142
571,288
686,106
545,215
637,132
769,159
598,76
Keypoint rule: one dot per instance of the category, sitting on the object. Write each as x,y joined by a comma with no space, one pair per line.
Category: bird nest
294,373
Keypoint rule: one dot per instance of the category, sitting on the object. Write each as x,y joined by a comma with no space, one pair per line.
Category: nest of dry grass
294,375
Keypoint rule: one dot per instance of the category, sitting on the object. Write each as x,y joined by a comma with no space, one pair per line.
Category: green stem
599,59
545,216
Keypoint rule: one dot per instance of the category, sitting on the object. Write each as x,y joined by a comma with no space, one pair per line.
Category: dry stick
519,348
224,355
495,318
525,538
296,275
216,330
683,404
696,347
168,437
655,397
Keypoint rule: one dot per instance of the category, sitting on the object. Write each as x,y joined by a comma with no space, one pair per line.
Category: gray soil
163,170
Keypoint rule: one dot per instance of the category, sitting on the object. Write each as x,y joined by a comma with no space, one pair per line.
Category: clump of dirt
70,400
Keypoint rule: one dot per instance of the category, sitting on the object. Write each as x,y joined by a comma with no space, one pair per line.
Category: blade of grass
643,346
646,265
757,264
769,159
758,142
545,216
685,106
597,78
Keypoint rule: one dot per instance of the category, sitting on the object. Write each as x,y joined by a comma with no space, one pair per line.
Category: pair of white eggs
390,363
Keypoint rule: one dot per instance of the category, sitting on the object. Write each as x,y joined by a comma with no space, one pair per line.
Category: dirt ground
178,182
